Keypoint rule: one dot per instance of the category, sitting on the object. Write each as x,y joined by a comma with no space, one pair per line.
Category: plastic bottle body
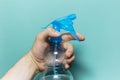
55,61
61,74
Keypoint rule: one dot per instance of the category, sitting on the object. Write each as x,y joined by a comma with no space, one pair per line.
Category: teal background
97,58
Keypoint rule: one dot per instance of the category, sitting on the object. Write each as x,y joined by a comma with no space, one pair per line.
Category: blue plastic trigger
64,23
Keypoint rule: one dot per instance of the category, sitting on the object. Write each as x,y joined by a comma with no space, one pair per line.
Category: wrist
25,67
38,63
33,62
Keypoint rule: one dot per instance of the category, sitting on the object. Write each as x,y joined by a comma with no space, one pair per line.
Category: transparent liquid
56,77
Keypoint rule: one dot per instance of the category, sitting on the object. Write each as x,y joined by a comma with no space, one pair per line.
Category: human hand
41,43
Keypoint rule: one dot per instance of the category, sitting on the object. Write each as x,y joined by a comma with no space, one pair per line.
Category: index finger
67,37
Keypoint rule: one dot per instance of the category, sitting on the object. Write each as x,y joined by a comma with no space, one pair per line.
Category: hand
41,43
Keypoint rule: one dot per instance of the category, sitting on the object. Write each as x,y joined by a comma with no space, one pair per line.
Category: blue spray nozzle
64,23
72,16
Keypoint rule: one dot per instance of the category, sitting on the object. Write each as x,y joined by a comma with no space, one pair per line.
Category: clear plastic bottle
55,53
55,61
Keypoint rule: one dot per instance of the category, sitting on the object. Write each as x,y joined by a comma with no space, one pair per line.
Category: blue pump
64,23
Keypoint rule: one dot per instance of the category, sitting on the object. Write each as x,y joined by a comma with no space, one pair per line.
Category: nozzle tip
72,16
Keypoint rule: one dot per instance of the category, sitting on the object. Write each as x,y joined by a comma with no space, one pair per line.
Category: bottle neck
55,46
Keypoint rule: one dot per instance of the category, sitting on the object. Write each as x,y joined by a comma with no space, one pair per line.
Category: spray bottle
55,53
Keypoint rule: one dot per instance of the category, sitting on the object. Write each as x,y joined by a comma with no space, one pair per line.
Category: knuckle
70,60
50,29
38,36
70,46
70,52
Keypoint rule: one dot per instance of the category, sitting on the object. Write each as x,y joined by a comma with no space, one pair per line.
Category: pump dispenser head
64,23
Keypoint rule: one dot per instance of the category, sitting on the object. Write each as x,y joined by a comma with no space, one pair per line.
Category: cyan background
98,58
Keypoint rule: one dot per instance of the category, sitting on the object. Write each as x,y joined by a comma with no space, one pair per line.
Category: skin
33,62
